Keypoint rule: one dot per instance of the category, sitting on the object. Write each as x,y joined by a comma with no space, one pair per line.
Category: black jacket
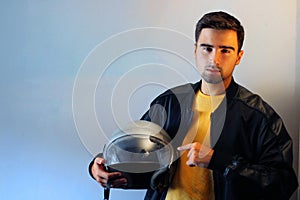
252,150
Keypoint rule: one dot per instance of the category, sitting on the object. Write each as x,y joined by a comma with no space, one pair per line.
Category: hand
107,179
198,155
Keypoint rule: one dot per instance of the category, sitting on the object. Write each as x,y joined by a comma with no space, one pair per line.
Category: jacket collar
230,91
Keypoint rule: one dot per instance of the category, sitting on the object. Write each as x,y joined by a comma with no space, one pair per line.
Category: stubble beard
212,79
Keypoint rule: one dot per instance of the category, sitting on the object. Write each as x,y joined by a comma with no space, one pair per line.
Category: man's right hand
112,180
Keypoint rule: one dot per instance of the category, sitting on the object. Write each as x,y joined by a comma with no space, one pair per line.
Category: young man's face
216,54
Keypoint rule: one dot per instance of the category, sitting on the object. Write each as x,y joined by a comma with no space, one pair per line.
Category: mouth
213,70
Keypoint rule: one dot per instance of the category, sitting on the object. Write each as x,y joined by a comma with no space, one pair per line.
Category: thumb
99,161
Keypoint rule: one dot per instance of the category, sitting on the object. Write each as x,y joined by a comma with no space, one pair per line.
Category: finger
118,183
113,175
108,176
100,173
105,177
192,153
185,147
190,163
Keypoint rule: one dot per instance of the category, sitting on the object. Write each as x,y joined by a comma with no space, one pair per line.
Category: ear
240,55
195,50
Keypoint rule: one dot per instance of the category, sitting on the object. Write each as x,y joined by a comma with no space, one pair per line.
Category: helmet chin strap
106,193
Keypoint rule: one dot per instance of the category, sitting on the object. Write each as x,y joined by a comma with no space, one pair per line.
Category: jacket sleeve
270,175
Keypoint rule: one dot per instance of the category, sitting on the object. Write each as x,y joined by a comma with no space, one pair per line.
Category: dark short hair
221,21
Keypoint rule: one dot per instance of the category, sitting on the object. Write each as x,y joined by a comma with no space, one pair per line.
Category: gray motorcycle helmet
143,153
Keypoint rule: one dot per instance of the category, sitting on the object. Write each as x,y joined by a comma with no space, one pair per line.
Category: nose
215,58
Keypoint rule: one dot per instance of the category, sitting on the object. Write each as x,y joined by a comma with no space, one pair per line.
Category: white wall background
298,86
44,43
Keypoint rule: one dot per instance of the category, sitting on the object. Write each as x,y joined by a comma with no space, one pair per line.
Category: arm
270,175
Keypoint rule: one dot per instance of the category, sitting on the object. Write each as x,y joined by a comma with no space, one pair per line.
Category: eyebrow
222,46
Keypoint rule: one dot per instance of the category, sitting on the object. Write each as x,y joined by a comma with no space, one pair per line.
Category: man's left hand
198,154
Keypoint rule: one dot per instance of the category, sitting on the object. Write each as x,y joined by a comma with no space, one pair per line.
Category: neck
211,89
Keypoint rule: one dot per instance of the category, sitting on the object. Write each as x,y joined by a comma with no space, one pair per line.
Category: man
233,144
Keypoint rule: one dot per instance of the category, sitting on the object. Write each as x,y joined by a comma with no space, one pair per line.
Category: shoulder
179,92
255,107
253,101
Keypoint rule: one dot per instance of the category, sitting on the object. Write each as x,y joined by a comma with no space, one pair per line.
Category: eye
225,51
207,49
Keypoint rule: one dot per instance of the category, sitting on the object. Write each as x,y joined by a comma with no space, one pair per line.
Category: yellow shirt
192,183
